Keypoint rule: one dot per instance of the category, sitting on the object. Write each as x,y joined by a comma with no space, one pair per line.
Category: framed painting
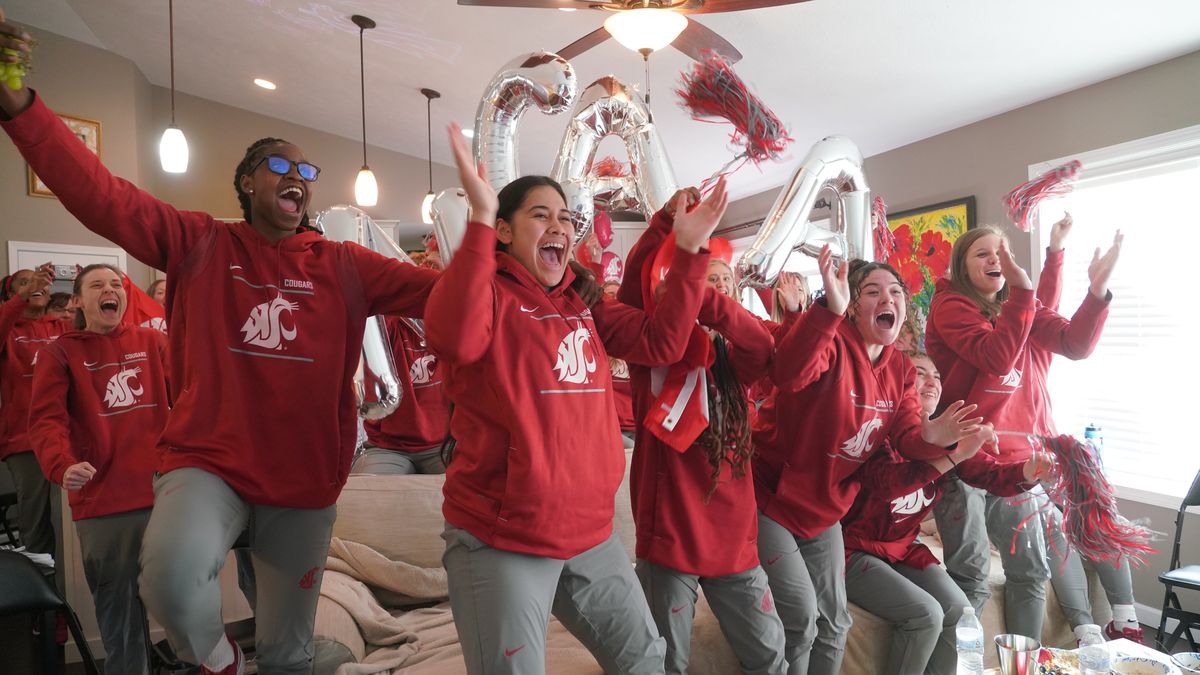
923,240
87,131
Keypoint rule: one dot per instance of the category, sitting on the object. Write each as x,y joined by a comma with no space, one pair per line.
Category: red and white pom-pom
610,167
885,239
1091,522
1023,201
713,91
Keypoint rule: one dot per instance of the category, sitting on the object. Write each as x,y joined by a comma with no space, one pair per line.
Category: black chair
1186,576
7,501
25,590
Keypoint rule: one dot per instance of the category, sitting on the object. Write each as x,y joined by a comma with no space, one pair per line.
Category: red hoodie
831,410
897,494
265,336
20,341
422,419
102,399
997,367
679,525
539,457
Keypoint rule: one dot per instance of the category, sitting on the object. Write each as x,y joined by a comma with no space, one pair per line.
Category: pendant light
427,203
173,149
366,189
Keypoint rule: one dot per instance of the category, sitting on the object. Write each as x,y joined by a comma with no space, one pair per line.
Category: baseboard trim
97,647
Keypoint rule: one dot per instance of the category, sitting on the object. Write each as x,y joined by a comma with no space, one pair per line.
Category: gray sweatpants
808,582
384,462
34,495
502,603
109,546
1070,582
741,602
967,519
195,520
923,607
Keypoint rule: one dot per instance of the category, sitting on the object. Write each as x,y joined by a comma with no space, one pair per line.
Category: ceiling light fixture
265,84
366,188
647,29
173,148
427,203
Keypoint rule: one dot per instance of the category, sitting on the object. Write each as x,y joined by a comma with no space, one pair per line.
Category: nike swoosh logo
527,311
852,394
90,364
676,610
774,560
510,652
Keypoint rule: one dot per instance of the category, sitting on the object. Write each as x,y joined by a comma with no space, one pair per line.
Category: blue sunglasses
282,165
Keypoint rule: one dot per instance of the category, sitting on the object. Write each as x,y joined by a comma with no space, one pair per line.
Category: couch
399,518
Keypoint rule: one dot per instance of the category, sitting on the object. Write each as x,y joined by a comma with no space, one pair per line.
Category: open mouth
109,308
552,253
290,199
886,320
993,274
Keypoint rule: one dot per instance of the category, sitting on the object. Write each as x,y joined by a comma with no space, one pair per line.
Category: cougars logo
264,328
422,369
620,369
120,392
860,442
1012,379
576,357
156,322
911,503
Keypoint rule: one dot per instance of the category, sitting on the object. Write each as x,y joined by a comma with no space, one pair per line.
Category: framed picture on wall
923,240
87,130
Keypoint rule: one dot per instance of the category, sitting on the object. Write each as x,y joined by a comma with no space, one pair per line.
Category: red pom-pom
885,239
713,91
609,167
1024,199
721,249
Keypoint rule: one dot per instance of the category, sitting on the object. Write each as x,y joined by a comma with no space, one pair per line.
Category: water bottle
1093,652
969,634
1093,436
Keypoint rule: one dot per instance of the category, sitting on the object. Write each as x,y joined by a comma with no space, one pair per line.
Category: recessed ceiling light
265,84
469,133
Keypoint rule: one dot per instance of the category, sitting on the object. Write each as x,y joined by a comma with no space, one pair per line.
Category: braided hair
254,154
726,439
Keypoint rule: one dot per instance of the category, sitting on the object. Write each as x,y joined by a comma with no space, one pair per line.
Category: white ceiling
884,72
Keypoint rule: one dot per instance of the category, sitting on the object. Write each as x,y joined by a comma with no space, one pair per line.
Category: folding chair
1185,576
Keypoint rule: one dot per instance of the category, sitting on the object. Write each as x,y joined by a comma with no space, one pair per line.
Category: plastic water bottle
1094,658
969,634
1094,436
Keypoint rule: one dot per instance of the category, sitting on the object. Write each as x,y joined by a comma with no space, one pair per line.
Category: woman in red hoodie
24,331
841,391
267,319
888,571
99,404
529,493
691,485
992,340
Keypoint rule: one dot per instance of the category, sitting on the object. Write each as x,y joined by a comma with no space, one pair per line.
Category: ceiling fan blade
537,4
584,43
714,6
696,38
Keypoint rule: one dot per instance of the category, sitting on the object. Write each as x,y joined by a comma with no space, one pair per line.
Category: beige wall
990,157
133,114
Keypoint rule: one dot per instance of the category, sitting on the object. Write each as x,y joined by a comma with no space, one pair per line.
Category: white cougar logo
422,370
119,393
620,369
861,441
1012,379
912,503
264,329
576,358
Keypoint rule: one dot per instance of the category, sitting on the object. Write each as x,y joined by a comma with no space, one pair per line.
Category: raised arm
750,343
1077,337
1049,288
808,348
390,286
630,292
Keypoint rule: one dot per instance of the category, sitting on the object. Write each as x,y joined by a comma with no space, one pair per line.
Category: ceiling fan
692,37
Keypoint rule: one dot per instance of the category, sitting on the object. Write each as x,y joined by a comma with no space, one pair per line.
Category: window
1136,385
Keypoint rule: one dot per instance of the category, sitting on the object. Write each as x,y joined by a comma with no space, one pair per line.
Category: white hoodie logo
422,369
860,442
156,322
576,358
911,504
620,369
1012,379
264,328
120,393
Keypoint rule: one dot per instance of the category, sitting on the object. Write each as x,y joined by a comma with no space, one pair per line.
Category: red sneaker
238,667
1131,634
